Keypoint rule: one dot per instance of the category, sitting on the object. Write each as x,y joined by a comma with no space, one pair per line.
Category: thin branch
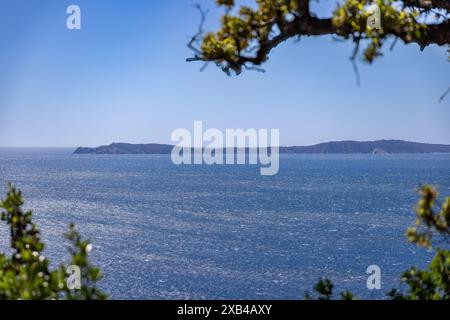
444,95
247,67
393,44
205,65
353,60
197,37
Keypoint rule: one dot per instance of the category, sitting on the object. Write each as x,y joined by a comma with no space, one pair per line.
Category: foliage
428,220
432,283
324,290
248,34
26,274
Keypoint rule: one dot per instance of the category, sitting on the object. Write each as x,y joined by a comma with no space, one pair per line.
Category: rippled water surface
162,231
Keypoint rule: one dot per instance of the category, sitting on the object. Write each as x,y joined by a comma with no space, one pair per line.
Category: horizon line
169,144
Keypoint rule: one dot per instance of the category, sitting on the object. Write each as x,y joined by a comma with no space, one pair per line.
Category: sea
162,231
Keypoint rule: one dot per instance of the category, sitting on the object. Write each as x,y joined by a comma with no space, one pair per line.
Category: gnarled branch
270,25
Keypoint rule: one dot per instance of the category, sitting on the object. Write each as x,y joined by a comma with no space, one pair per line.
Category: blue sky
123,78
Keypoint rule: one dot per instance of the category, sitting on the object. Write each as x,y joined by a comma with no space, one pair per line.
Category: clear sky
123,78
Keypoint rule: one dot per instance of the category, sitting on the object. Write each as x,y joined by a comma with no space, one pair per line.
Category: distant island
334,147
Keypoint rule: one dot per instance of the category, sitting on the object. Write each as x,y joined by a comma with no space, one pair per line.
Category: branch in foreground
246,39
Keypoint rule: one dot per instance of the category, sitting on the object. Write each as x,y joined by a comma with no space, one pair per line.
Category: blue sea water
161,231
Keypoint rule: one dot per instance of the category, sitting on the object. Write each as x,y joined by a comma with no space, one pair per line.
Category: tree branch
428,4
232,56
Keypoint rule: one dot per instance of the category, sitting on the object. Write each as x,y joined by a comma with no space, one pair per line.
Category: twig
197,37
444,95
353,60
254,68
393,44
